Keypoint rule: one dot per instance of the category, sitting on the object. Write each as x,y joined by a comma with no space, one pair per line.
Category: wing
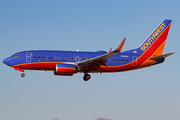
96,62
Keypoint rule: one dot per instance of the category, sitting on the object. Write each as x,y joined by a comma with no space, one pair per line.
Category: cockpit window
15,56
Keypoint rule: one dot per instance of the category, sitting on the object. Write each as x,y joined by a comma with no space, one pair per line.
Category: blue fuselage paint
67,56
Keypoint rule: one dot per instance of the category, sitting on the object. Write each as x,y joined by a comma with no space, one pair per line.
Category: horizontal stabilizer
161,56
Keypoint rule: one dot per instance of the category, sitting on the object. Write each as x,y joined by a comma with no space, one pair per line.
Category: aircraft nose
7,61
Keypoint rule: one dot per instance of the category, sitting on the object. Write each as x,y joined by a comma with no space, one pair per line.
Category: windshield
15,56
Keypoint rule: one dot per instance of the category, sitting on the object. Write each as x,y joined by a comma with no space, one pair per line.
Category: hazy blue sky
146,94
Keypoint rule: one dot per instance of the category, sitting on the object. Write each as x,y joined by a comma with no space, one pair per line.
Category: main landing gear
86,76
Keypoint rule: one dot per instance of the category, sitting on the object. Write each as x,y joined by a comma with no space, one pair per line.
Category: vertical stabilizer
154,44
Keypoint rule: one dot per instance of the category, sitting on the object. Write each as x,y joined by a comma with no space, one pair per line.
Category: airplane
67,63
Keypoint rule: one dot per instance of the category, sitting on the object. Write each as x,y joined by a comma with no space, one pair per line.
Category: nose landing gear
22,75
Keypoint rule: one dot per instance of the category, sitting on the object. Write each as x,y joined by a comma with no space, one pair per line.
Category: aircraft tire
22,75
86,77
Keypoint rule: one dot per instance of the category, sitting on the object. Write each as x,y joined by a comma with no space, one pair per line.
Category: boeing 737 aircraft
67,63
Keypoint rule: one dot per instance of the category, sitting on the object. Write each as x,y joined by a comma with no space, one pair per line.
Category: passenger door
28,56
134,61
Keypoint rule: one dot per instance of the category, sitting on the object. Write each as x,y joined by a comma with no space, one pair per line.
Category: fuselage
47,60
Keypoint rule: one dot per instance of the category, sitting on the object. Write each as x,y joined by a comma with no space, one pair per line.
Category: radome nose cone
6,61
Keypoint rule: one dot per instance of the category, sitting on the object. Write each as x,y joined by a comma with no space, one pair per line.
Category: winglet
119,48
110,50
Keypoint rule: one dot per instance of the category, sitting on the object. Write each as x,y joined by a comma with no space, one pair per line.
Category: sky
91,25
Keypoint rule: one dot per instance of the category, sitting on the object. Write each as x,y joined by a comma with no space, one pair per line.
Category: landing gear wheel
86,77
22,75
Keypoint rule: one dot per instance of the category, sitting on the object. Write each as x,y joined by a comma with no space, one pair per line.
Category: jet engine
65,69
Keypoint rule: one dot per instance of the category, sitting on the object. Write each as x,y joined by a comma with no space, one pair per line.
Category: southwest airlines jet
67,63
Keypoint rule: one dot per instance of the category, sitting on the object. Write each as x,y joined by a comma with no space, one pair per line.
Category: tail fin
154,44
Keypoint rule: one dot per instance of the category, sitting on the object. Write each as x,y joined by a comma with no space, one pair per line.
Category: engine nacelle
65,69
